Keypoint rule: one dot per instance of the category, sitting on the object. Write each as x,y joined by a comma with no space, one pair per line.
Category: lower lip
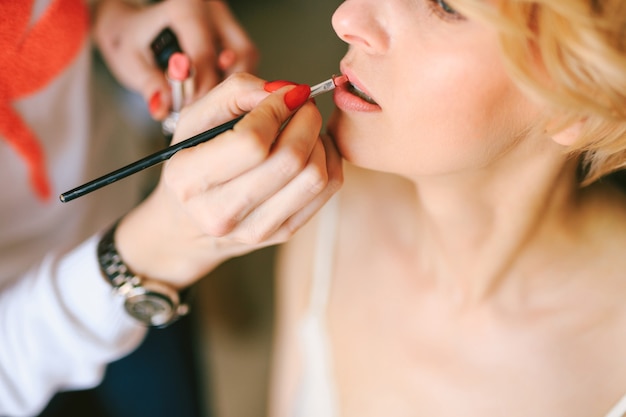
347,101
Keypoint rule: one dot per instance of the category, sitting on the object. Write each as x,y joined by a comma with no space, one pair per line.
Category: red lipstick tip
179,66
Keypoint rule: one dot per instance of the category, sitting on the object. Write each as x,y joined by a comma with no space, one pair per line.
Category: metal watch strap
111,263
141,295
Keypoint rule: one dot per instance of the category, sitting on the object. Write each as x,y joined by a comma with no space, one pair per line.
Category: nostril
353,39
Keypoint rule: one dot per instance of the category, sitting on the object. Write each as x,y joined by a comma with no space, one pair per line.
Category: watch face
150,308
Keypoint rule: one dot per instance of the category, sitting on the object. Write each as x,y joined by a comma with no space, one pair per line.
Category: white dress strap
324,259
619,410
317,396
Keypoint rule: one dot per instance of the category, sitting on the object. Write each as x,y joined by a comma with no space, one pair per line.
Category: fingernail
272,86
297,96
154,104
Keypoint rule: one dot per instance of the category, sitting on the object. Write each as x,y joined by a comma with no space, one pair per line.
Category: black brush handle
146,162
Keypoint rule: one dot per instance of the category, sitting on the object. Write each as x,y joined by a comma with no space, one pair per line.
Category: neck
474,228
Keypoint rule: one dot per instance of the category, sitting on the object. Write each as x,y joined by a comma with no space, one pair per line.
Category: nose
360,23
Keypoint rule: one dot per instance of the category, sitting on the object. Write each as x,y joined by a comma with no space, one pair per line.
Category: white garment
316,394
59,323
619,410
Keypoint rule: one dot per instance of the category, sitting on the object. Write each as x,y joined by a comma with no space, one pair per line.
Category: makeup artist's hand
250,187
237,53
207,32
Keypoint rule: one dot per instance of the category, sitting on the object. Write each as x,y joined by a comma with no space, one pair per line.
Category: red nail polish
272,86
298,96
154,104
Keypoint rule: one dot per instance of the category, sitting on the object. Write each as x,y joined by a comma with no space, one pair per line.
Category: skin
492,283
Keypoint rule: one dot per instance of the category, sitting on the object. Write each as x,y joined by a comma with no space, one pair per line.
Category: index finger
235,96
258,130
243,148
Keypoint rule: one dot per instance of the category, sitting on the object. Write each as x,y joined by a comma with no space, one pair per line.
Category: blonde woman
473,264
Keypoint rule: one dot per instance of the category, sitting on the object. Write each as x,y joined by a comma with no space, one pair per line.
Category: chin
343,137
352,141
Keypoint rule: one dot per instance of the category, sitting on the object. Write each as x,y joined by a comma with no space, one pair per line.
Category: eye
445,7
444,10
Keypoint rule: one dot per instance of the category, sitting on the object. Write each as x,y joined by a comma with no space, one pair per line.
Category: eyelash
443,10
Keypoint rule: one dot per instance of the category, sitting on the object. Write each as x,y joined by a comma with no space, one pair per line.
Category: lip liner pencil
167,153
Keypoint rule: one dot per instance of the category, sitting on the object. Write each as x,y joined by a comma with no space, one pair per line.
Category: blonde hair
572,53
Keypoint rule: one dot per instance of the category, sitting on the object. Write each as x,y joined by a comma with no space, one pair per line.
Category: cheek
462,117
462,129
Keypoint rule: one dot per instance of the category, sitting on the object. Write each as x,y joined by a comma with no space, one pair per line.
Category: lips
352,96
354,89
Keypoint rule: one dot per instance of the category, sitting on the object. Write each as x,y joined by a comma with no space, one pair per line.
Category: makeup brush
165,154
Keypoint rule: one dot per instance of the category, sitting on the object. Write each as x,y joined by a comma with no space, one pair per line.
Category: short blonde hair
572,54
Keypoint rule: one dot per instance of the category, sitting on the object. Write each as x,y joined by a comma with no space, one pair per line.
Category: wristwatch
153,303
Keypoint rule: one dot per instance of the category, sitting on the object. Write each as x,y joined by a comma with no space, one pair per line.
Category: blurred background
215,362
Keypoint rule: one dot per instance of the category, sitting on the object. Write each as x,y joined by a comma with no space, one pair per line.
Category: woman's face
441,100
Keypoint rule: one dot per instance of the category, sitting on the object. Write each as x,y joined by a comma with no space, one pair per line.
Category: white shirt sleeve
60,326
